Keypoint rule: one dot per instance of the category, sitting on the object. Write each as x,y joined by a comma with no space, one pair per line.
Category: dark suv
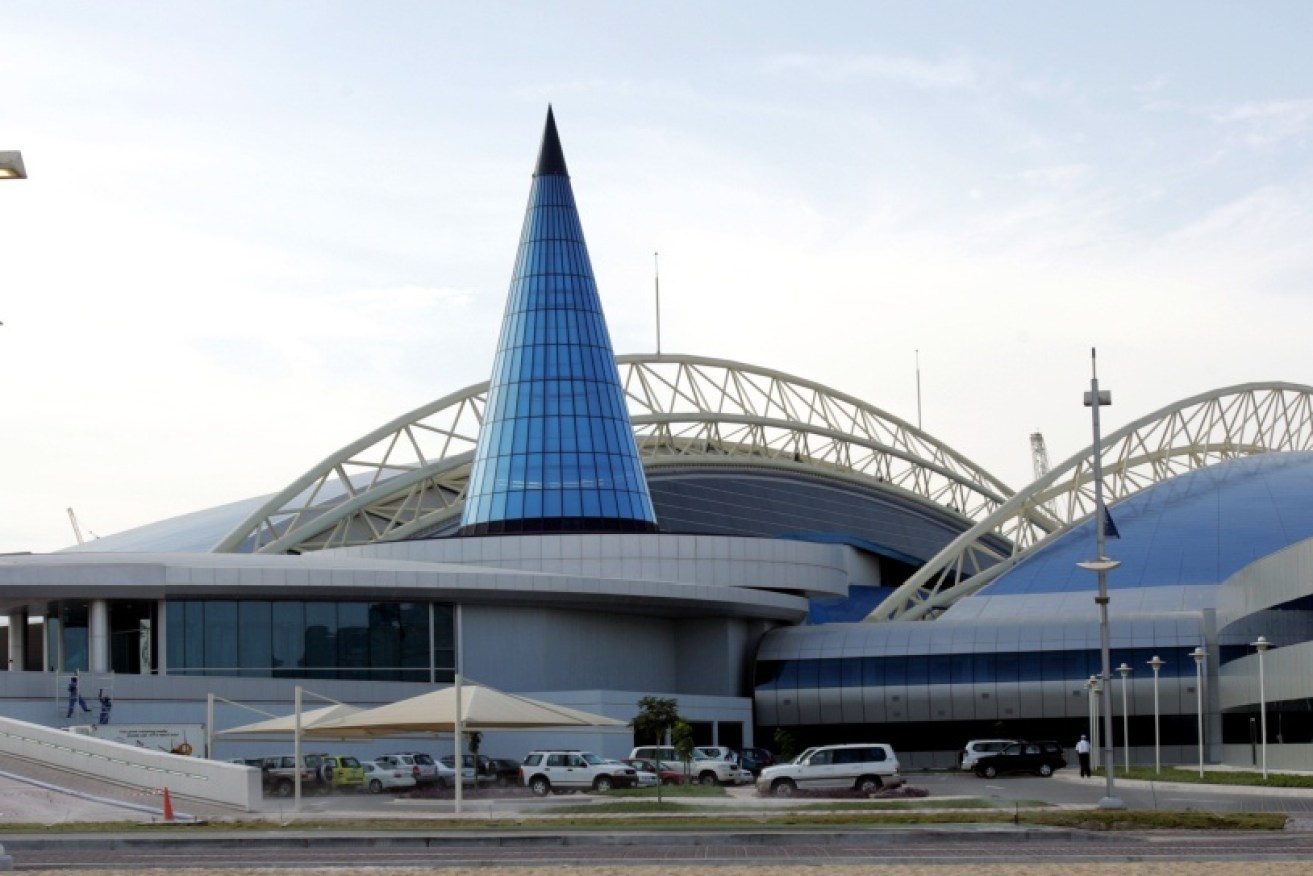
1040,758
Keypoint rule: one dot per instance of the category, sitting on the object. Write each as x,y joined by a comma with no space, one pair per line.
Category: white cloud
953,74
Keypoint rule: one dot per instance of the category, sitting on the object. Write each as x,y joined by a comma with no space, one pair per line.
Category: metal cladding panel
830,705
556,450
875,705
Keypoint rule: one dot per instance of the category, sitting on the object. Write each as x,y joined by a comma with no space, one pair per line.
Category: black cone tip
551,160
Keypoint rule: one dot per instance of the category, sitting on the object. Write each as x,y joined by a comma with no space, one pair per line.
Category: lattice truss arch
409,475
1199,431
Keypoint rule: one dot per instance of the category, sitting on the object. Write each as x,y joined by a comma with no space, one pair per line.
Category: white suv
547,771
864,767
978,748
709,766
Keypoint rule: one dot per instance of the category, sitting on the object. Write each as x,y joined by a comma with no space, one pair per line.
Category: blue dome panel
1198,528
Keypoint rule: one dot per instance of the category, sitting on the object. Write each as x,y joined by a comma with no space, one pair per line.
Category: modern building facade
776,555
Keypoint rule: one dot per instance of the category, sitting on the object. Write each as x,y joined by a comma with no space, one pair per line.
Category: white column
98,637
17,639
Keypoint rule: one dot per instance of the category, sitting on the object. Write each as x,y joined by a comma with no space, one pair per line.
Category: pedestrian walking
1083,754
105,706
75,697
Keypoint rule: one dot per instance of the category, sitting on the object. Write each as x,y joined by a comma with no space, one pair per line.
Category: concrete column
98,637
17,639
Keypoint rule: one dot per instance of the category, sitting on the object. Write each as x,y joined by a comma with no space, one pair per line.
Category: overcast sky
254,231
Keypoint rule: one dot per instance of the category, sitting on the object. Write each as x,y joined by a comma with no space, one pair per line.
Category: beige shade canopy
287,723
482,708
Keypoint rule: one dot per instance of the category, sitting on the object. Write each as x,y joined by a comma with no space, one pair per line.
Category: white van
862,767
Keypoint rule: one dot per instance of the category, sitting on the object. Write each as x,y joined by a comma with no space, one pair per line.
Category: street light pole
1262,644
1199,654
1094,399
1126,727
1156,663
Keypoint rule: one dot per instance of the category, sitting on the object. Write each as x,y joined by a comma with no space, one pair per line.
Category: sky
255,231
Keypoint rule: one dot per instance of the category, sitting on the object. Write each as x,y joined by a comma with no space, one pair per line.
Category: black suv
1040,758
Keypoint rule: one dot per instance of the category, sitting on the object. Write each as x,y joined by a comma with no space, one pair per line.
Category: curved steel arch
1193,433
409,475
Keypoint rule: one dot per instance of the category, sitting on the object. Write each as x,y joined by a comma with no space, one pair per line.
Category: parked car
471,771
340,772
420,765
501,771
862,767
1040,758
551,771
754,760
381,776
643,778
669,775
278,773
703,769
976,748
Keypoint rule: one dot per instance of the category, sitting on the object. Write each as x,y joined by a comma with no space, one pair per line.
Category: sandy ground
1217,868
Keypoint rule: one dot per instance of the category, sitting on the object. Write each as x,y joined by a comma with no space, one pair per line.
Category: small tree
785,746
475,740
681,736
656,717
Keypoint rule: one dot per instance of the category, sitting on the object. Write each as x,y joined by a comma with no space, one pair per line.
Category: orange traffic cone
168,806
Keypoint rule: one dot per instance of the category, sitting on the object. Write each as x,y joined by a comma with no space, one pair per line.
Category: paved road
43,796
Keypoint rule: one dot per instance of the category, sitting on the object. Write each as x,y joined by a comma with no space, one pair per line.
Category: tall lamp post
1094,399
1092,689
1156,664
1261,644
1199,654
1126,726
11,165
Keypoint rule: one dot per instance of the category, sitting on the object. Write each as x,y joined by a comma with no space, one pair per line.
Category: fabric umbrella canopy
287,723
482,708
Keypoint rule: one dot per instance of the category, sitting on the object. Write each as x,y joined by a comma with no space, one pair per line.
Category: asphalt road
37,799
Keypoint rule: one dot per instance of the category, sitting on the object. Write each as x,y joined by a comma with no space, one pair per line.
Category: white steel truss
409,476
1191,434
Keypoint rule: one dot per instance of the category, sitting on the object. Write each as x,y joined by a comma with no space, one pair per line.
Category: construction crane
1039,456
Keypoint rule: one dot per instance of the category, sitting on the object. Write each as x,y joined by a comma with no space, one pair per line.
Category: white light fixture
1199,654
1261,644
1156,664
11,165
1126,727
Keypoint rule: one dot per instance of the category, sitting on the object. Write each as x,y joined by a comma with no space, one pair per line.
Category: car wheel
441,783
989,772
602,783
284,788
1045,770
503,782
708,778
540,786
375,786
784,788
869,784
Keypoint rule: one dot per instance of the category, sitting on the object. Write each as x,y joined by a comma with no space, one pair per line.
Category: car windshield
591,758
423,759
802,758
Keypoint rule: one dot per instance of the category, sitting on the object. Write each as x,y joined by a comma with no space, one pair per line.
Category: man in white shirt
1083,754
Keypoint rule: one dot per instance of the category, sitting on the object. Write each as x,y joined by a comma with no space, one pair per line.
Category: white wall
190,778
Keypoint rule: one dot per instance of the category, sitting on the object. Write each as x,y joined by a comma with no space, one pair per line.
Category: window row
530,504
530,321
555,432
559,364
543,257
370,641
569,470
982,668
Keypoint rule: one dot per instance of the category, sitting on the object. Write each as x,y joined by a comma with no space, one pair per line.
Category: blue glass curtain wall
370,641
556,450
927,669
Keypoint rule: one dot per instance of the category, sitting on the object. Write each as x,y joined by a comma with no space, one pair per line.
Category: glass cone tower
556,450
